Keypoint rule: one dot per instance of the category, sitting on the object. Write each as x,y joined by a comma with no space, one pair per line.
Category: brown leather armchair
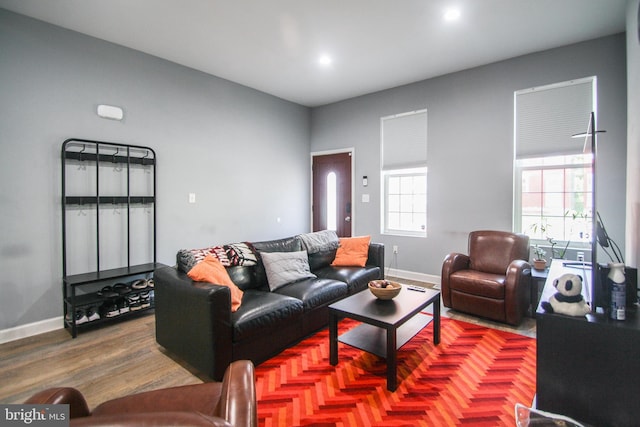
493,281
231,402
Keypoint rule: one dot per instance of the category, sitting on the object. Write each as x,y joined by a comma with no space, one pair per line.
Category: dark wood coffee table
400,318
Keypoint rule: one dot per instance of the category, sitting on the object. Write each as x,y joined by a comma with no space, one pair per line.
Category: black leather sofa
194,320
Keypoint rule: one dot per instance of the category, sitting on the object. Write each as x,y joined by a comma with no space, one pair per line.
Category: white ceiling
274,45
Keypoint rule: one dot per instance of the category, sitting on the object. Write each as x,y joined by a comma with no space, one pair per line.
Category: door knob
347,219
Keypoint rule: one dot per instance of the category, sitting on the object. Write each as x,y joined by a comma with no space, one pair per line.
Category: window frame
420,172
518,200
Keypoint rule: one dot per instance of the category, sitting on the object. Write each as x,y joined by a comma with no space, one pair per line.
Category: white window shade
546,117
404,140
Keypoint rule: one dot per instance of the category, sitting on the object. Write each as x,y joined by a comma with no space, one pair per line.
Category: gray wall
244,153
470,139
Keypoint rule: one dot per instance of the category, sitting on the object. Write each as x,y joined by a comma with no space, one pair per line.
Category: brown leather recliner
493,280
231,402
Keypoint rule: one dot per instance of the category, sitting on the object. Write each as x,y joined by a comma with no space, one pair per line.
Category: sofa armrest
376,257
193,320
517,288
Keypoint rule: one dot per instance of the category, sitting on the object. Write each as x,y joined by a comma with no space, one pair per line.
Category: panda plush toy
568,300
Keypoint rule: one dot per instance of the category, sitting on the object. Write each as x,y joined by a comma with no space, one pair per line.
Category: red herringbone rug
473,378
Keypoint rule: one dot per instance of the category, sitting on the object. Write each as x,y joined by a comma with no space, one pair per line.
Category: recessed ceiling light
452,14
325,60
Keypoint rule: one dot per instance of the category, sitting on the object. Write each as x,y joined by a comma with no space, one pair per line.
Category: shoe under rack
112,301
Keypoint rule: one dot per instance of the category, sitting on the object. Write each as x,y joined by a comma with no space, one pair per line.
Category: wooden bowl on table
384,289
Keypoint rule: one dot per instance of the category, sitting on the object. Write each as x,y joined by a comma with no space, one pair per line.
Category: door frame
350,150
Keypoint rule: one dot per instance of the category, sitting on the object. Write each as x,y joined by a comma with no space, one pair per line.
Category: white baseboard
30,329
412,275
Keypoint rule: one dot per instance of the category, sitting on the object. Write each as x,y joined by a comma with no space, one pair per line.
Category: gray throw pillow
285,267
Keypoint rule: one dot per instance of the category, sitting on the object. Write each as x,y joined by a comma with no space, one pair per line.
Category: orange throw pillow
352,252
211,270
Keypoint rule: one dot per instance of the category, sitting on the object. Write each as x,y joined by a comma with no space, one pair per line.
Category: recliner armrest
455,262
452,262
517,288
518,273
238,398
62,396
519,267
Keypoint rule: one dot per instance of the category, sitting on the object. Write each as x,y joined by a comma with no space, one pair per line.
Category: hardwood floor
116,360
108,362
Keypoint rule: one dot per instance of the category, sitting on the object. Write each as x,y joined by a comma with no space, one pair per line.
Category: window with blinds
404,140
547,116
404,174
552,171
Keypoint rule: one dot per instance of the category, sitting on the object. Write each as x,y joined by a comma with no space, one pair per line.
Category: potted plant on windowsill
539,261
544,227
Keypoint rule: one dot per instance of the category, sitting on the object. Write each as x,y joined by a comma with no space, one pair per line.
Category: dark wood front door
332,193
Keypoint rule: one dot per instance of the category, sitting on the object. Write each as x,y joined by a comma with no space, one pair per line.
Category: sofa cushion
211,270
321,247
356,278
474,282
263,312
321,259
285,267
233,254
315,292
288,244
319,241
352,252
244,277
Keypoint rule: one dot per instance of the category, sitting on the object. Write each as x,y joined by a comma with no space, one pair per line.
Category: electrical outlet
395,249
580,256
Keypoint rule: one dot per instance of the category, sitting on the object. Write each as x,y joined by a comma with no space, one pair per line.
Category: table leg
392,377
333,339
436,321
